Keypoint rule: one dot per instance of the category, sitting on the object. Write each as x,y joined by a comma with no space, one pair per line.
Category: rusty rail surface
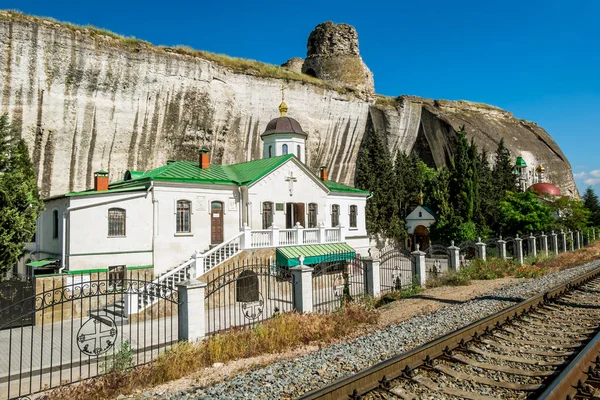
371,378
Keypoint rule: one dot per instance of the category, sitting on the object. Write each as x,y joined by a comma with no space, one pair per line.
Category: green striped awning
313,254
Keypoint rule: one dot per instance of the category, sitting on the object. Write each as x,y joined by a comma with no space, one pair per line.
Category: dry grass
381,100
275,335
240,65
571,259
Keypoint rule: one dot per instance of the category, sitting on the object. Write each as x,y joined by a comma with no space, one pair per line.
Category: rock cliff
88,100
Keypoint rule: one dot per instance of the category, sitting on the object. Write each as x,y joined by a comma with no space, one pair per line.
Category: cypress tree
592,204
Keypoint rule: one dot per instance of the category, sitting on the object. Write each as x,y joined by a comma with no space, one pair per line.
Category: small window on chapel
298,151
335,215
270,151
420,214
55,224
284,149
353,212
116,222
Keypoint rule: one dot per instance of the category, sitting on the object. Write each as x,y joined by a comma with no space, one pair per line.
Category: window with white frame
335,215
116,222
312,215
183,221
284,149
55,224
353,213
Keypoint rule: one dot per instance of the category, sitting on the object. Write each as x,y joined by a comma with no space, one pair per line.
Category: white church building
194,210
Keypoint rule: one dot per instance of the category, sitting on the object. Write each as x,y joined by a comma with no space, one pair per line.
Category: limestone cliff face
87,102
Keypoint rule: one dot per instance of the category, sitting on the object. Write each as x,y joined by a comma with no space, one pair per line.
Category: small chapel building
163,217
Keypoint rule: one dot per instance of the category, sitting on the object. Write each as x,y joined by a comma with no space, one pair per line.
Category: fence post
502,248
246,237
572,241
578,240
563,237
481,249
519,248
587,234
532,245
594,233
554,241
302,275
342,237
299,233
191,314
421,268
274,236
454,256
544,243
321,233
199,265
372,276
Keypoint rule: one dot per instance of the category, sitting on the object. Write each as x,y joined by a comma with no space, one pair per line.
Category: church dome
283,125
545,188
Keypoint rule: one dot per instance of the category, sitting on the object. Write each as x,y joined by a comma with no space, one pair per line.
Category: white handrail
220,246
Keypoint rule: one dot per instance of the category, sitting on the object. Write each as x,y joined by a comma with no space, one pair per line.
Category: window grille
312,215
335,215
183,216
116,222
353,212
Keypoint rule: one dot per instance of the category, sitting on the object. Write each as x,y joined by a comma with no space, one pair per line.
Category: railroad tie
486,381
536,343
431,385
521,360
499,368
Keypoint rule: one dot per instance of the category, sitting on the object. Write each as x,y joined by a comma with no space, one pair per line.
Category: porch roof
313,253
42,263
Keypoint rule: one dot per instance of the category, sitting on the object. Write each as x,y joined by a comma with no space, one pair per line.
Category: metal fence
17,289
78,325
337,280
396,269
437,260
468,251
241,294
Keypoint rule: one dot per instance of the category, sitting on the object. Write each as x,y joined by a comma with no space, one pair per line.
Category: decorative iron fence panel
80,325
525,244
437,260
468,251
242,294
511,250
336,281
18,290
396,269
491,248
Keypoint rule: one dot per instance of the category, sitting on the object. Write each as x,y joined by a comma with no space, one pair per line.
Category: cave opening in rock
311,72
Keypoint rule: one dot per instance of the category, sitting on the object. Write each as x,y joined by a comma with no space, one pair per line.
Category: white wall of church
355,236
277,141
90,247
172,248
49,246
274,188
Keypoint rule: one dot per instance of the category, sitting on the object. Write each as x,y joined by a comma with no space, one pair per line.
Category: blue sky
537,59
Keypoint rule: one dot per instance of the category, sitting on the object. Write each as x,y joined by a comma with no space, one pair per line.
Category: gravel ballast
291,378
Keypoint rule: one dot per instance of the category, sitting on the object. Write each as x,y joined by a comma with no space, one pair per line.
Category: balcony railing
276,237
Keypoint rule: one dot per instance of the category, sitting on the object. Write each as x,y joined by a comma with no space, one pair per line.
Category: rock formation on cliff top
88,100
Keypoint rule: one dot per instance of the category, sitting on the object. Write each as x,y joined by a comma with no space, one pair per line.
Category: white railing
262,238
332,235
310,236
218,254
287,237
148,295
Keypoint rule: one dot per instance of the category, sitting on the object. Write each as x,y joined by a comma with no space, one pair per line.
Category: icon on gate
97,335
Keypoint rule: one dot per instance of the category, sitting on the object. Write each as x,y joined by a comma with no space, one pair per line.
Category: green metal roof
115,190
41,263
313,254
339,187
521,163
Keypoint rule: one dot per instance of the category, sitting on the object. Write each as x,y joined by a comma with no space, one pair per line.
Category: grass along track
524,351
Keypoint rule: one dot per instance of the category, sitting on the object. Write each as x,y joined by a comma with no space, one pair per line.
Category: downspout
154,221
241,211
69,209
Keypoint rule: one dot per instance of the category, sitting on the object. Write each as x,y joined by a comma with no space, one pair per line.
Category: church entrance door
294,213
216,222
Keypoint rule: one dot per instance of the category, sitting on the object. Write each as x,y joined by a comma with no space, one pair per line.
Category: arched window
116,222
420,214
284,149
183,216
270,151
335,215
267,213
353,213
55,224
312,215
298,152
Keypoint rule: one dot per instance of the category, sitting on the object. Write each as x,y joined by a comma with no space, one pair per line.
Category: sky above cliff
538,58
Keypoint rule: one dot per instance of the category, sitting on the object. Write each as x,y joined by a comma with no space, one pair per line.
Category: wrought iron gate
396,269
80,325
336,281
437,260
242,294
16,289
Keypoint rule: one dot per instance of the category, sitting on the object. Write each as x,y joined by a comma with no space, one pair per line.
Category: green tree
570,214
523,212
20,203
503,176
592,204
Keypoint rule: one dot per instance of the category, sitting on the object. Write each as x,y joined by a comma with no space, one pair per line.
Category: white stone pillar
420,266
594,233
191,314
454,256
572,241
578,241
554,239
532,245
563,237
321,233
274,236
303,291
502,248
299,233
199,265
481,249
544,243
342,236
519,249
372,277
587,234
246,237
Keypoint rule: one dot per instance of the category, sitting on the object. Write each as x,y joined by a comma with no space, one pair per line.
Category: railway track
546,347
